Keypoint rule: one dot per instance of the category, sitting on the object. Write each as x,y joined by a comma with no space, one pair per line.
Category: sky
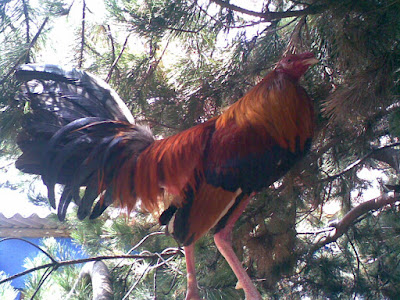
13,197
63,35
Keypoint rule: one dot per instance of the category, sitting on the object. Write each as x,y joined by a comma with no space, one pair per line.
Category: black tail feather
65,200
78,88
101,206
91,194
78,134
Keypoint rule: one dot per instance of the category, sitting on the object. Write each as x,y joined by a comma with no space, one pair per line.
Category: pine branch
204,11
80,61
31,44
153,66
26,14
111,38
352,216
115,62
42,280
359,161
270,15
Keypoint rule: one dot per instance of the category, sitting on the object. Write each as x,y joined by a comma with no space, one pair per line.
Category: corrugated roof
31,226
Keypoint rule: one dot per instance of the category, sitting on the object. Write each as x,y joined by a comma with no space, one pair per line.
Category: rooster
80,134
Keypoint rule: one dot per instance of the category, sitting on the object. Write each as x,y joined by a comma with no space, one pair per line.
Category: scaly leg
223,241
192,292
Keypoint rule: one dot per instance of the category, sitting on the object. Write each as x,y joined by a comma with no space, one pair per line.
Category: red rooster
80,134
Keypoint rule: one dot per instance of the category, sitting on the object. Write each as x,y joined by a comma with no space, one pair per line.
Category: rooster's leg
223,241
192,292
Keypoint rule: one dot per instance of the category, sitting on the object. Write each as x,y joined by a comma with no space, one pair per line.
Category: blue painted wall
14,252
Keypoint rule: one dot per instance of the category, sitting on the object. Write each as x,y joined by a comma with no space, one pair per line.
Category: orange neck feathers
277,106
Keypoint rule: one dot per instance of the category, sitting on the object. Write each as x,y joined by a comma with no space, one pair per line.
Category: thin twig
42,280
27,19
84,260
136,283
153,66
128,273
268,30
118,58
155,122
173,282
144,239
358,162
186,30
111,38
356,273
140,243
165,262
316,232
80,61
217,20
155,281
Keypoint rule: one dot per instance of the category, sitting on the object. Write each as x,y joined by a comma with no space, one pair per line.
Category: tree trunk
100,278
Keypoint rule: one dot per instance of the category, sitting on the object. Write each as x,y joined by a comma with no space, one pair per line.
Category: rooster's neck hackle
277,106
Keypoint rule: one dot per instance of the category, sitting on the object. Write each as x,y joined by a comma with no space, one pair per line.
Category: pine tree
177,63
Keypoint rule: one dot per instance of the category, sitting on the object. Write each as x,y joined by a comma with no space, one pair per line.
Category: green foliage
6,290
178,63
117,236
21,38
61,280
362,264
394,123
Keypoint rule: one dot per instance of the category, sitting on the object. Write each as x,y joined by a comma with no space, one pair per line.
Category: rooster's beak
310,61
